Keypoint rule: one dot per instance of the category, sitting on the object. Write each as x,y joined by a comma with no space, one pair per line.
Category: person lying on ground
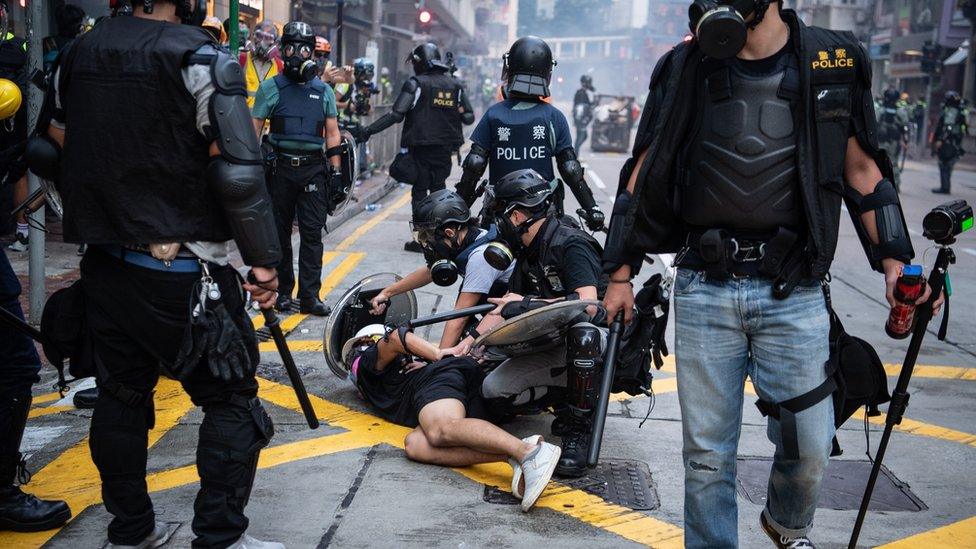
412,382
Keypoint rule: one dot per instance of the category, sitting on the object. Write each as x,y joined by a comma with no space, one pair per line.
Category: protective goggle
264,36
425,233
303,50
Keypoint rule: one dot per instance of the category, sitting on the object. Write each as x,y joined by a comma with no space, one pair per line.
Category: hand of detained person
892,269
379,304
414,365
619,296
461,349
502,301
264,288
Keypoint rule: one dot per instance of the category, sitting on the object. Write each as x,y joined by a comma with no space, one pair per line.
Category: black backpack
66,334
855,378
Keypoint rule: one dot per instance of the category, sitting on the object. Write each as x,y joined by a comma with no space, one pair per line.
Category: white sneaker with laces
517,469
20,244
247,542
537,469
157,538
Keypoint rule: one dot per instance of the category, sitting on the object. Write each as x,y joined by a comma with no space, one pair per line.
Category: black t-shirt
581,267
768,65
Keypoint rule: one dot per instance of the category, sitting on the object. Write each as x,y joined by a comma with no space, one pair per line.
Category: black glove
335,189
594,218
359,133
227,351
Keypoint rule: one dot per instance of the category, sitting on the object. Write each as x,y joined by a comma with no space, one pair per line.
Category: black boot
21,512
85,399
576,443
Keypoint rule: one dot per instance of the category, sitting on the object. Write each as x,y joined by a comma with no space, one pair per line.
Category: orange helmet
322,45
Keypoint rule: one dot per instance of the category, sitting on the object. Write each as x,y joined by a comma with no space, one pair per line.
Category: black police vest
740,167
299,114
521,138
435,119
132,169
537,273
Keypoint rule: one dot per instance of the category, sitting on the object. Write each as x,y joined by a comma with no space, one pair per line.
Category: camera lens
937,225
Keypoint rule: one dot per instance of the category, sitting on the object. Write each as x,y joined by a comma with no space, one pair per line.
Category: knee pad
584,359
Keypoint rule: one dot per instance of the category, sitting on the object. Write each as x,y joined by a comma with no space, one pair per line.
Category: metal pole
35,236
235,26
339,59
377,18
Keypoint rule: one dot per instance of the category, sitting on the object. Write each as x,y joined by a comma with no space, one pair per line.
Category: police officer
893,130
949,131
302,178
753,208
432,107
19,367
554,261
263,61
583,103
152,150
525,132
454,246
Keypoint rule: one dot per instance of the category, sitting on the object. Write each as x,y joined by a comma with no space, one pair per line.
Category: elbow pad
467,118
616,252
893,239
572,174
474,167
230,118
241,192
384,122
43,156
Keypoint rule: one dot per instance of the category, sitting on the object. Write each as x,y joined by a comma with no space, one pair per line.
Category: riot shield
349,165
352,312
538,330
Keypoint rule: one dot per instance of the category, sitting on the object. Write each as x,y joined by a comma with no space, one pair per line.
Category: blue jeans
726,330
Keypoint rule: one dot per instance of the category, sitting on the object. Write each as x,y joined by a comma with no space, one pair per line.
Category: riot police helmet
190,12
438,209
528,67
586,81
298,32
522,188
953,99
891,96
363,68
426,57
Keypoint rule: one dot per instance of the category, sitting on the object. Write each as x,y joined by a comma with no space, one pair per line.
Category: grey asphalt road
349,485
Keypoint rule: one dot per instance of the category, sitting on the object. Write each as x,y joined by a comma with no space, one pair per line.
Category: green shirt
265,101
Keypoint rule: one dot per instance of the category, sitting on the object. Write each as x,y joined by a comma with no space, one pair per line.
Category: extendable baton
450,315
273,323
606,384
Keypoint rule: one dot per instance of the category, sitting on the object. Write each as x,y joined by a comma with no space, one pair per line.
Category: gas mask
297,58
720,26
264,43
449,259
502,251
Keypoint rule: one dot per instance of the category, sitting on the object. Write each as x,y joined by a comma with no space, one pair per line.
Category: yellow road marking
957,534
660,386
44,399
376,220
915,427
48,410
258,320
934,372
296,346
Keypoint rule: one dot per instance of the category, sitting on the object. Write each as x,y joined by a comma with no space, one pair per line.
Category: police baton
273,323
450,315
606,384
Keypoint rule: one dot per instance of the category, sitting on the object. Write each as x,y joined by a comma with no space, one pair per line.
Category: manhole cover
842,489
622,482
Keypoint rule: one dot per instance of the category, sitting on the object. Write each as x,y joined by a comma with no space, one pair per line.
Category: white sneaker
20,244
537,470
157,538
517,468
247,542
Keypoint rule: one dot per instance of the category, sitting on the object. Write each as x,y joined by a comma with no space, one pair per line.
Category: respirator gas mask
501,252
443,257
720,26
299,65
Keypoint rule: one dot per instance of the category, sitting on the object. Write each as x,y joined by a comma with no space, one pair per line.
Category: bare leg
20,195
418,448
444,425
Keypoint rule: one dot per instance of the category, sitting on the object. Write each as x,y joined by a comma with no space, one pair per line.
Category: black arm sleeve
473,168
467,113
401,106
236,176
572,174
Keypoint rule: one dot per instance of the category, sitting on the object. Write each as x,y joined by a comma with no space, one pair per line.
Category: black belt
296,160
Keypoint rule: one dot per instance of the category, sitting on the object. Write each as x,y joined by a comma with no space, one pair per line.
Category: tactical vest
13,57
537,273
889,127
435,119
522,137
251,77
740,166
498,288
132,168
299,114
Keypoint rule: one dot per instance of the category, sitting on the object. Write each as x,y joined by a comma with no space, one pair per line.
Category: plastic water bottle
373,207
910,286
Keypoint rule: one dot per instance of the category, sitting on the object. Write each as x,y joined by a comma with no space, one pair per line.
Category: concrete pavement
349,485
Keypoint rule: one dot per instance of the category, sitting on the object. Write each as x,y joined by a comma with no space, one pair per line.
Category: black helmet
952,98
528,67
440,208
524,188
586,80
298,32
190,12
426,57
890,96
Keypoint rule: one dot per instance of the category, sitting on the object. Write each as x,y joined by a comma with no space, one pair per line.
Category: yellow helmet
10,99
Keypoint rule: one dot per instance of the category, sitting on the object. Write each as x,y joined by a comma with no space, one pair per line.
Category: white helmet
372,330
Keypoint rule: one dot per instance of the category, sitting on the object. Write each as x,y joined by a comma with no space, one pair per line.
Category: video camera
363,86
947,221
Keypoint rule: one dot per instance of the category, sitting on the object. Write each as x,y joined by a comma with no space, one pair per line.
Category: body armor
537,272
132,170
299,114
435,119
740,171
